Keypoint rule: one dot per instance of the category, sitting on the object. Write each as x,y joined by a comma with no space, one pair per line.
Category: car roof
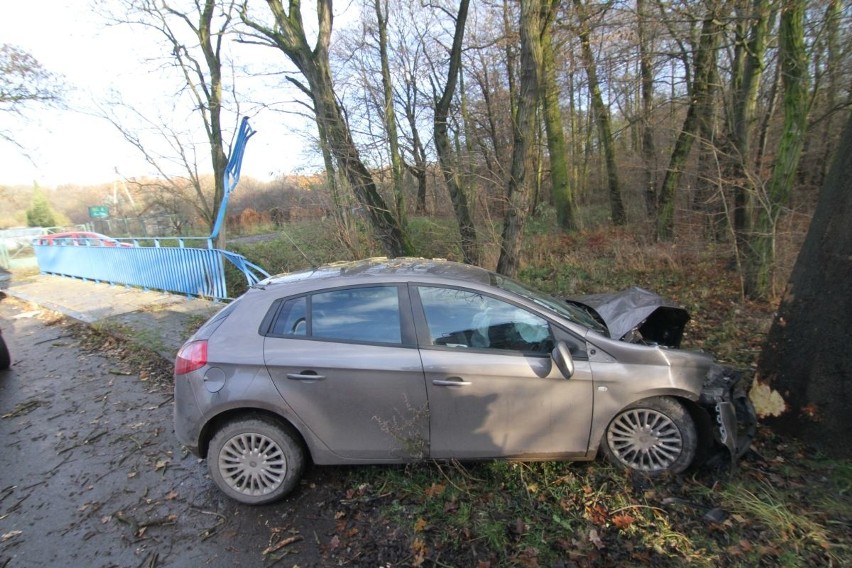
399,269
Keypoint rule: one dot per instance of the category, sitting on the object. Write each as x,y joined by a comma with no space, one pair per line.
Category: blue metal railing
190,271
156,263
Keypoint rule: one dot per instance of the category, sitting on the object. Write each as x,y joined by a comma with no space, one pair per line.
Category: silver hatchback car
388,361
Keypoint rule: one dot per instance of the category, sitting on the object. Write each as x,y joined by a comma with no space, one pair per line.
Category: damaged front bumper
725,399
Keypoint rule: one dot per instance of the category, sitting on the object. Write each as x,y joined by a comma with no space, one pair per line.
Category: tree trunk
617,212
755,19
760,254
563,197
390,114
698,105
806,356
469,245
649,151
288,35
524,128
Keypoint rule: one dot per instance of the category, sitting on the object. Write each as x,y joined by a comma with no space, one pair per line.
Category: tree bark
563,196
806,356
760,254
698,106
649,151
389,113
469,245
755,19
524,128
288,35
617,212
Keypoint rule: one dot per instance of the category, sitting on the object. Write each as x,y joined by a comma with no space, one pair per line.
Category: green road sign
99,212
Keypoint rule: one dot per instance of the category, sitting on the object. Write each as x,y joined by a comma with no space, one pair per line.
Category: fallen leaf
435,490
623,521
420,525
595,539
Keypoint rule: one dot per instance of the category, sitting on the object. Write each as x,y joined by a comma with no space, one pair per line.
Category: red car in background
81,239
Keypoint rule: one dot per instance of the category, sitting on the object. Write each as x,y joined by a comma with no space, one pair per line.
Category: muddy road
91,474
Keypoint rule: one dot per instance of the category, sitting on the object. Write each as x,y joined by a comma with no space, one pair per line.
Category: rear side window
293,318
364,314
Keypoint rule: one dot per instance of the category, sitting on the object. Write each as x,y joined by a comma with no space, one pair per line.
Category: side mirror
563,359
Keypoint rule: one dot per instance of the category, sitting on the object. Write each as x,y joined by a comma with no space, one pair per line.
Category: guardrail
167,264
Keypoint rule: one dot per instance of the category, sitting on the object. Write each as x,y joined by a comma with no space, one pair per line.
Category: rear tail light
191,357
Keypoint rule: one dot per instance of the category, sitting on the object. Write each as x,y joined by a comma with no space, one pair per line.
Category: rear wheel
255,460
653,436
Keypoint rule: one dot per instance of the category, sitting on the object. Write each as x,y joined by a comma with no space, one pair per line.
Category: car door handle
452,382
305,376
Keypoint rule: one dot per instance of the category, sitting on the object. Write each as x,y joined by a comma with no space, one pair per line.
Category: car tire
652,436
5,359
256,460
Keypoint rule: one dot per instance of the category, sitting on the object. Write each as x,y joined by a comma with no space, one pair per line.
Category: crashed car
389,361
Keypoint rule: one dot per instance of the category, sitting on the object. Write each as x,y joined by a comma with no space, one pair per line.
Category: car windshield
563,309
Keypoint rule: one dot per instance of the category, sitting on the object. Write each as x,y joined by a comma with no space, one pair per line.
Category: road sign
99,212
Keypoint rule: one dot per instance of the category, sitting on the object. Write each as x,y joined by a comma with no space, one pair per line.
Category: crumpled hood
658,320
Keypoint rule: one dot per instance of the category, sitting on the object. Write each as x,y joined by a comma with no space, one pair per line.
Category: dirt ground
91,473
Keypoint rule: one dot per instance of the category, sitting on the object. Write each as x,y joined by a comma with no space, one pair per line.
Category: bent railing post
232,173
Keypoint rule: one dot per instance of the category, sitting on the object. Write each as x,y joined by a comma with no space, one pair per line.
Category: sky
72,146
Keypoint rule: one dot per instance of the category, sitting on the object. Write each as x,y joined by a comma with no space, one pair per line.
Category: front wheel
653,436
256,461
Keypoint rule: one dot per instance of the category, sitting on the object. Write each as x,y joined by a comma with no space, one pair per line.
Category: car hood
637,315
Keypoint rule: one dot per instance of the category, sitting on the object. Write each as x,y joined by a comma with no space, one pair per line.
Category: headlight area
724,398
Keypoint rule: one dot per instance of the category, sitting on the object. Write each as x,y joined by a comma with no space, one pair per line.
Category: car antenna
292,242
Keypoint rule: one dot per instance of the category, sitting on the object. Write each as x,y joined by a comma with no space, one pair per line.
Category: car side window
362,314
357,314
292,318
466,319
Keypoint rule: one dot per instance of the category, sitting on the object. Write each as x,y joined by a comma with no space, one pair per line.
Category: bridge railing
149,263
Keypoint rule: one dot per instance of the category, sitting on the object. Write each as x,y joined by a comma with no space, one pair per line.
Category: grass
783,506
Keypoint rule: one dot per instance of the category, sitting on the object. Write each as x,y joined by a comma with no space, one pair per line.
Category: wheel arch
220,420
701,421
687,398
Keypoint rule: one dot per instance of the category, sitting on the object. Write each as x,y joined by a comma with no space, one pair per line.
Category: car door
345,360
493,388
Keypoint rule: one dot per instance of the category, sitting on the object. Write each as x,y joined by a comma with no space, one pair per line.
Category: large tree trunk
524,128
760,254
617,212
563,197
288,35
806,357
470,247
